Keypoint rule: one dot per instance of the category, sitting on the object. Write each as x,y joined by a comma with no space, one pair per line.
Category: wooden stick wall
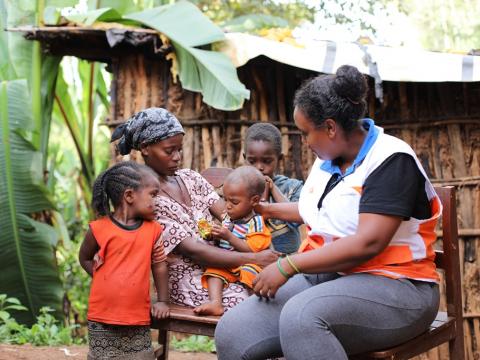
440,121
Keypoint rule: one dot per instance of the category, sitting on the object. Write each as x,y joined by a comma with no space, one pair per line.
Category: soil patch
27,352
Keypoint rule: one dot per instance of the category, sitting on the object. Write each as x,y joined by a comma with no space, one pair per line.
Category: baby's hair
340,97
264,132
110,185
250,176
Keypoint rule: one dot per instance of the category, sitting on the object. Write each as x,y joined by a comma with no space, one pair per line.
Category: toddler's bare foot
209,308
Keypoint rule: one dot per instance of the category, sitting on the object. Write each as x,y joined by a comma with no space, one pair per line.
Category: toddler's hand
220,232
160,310
268,188
269,182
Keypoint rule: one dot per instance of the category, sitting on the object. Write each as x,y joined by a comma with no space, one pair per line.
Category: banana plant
28,268
200,68
28,265
80,105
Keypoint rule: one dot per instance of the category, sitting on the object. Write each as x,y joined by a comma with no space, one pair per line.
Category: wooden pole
217,146
207,147
282,117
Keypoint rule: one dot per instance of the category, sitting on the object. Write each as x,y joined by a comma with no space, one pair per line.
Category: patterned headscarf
146,127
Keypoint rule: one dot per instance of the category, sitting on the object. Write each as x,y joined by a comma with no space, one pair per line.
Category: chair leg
163,341
456,350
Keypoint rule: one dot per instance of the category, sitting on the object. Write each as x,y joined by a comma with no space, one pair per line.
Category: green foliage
200,69
79,149
75,283
28,265
208,72
445,24
104,14
352,12
253,22
46,330
194,343
222,11
9,304
79,106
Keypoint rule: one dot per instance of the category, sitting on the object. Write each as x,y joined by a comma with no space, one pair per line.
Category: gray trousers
327,316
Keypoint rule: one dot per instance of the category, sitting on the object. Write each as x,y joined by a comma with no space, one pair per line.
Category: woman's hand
160,310
262,209
286,211
266,257
268,282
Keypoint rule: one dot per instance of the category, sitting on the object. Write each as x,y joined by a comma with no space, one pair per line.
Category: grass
194,343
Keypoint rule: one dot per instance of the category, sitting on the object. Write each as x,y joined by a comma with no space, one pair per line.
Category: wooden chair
447,327
216,175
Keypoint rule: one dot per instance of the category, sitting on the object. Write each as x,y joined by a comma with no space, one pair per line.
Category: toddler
241,230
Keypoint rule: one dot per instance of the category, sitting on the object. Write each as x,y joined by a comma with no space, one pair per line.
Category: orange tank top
120,290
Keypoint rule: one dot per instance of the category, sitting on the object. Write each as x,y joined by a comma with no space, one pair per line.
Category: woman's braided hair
341,97
112,183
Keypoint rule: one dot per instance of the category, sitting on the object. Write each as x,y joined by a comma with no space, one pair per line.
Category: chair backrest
216,176
448,259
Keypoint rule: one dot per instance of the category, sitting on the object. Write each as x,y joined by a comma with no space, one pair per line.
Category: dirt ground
27,352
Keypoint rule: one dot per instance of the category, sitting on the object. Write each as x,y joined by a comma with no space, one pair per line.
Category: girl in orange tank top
119,250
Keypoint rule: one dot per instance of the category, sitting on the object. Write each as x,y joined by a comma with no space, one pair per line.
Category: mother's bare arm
207,255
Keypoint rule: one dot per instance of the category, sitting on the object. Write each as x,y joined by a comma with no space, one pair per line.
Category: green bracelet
279,266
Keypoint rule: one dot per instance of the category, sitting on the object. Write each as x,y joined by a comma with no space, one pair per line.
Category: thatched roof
95,44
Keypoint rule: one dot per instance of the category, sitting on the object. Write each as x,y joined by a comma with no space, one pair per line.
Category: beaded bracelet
292,264
283,272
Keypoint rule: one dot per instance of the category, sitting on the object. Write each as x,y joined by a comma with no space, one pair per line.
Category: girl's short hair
340,97
111,184
264,132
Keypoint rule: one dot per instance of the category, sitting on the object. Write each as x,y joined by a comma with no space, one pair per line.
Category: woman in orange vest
119,251
364,279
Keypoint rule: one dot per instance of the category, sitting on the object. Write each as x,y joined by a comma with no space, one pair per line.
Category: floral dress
180,222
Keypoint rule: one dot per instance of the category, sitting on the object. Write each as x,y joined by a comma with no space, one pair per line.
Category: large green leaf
104,14
182,22
80,104
218,79
28,263
208,72
201,70
24,60
76,120
6,70
49,71
122,6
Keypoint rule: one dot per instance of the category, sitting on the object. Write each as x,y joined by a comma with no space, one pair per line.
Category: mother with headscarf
184,198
